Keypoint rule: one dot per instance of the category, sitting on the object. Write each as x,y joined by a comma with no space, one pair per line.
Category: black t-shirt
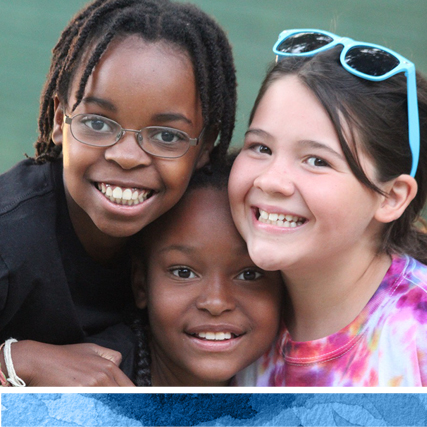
50,289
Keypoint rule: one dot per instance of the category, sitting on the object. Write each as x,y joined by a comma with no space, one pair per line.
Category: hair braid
138,321
88,35
96,55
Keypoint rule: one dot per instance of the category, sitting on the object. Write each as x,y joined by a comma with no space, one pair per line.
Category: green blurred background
29,29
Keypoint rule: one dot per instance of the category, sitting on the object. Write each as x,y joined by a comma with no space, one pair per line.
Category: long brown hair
376,115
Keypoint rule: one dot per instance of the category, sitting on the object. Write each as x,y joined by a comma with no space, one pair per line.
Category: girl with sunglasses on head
206,310
136,95
329,190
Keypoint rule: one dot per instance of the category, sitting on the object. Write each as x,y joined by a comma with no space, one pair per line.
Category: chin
264,260
214,377
118,229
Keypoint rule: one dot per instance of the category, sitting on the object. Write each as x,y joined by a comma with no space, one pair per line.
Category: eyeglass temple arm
413,119
195,141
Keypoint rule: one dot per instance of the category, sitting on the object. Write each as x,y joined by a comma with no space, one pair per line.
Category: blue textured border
207,409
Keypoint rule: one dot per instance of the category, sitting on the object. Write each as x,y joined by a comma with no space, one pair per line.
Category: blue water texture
184,409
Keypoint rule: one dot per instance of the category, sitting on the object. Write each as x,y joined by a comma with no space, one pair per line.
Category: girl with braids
329,188
137,93
211,311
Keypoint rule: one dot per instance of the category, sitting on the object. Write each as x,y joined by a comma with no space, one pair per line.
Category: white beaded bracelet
13,378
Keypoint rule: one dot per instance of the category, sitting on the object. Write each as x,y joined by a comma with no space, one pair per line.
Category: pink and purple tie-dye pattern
386,345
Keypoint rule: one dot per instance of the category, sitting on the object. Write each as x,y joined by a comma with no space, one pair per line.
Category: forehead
289,111
130,62
203,215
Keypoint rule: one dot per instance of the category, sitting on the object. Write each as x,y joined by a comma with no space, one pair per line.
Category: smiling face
137,84
293,196
211,310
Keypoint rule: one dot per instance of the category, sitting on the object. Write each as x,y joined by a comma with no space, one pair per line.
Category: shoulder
412,274
25,181
407,292
28,209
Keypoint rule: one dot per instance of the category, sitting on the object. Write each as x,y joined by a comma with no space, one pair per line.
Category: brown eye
183,273
317,162
264,149
249,274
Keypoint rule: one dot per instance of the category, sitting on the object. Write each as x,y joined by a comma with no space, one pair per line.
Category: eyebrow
241,249
180,248
103,103
259,132
319,145
162,117
172,117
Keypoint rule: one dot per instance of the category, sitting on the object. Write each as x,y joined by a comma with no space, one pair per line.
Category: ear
400,193
58,119
139,284
208,142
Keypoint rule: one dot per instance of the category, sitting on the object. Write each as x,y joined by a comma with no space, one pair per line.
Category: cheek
77,156
239,185
351,205
265,310
267,325
234,184
166,306
176,175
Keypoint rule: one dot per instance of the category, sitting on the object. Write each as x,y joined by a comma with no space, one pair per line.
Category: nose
216,297
127,153
276,178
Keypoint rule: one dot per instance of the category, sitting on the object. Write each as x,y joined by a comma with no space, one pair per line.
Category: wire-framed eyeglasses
159,141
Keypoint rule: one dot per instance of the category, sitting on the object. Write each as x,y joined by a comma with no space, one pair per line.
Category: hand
75,365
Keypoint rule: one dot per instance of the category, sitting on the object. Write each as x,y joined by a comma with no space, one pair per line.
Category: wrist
3,372
16,361
12,378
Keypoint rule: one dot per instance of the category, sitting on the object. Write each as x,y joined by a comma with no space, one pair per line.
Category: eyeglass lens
371,61
367,60
304,42
157,140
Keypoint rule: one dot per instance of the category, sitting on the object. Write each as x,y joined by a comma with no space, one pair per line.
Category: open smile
124,196
280,219
215,336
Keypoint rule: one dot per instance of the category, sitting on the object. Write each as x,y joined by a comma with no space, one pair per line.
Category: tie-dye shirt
386,345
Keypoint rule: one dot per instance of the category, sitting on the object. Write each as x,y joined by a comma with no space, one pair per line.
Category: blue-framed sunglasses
365,60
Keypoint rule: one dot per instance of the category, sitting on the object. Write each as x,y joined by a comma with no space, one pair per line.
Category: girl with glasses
136,95
325,190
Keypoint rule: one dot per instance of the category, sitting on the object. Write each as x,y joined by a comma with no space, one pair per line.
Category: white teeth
123,196
214,336
117,193
127,194
281,220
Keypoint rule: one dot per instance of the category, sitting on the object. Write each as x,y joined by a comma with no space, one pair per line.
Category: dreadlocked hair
89,33
216,177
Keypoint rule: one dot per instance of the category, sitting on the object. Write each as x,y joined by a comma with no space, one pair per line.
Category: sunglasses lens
370,61
303,42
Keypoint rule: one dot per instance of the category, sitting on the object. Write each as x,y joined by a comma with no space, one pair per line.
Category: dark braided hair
90,32
214,176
